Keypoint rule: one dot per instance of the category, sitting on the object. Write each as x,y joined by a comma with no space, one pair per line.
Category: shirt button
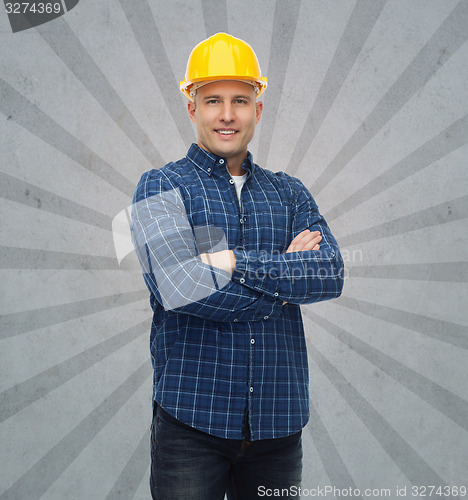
252,341
231,181
242,280
266,317
221,161
236,320
241,221
276,294
251,389
209,169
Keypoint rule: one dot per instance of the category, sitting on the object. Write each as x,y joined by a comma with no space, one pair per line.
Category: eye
212,101
240,101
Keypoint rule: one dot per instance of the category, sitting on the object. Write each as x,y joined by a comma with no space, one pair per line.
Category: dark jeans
190,464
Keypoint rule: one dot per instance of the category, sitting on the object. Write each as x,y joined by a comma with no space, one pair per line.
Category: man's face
225,113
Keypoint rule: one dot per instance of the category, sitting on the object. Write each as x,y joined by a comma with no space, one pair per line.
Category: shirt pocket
208,236
270,228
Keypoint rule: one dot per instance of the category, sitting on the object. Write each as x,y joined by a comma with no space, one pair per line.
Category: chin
226,152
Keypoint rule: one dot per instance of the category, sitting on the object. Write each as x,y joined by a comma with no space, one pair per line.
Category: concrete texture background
367,104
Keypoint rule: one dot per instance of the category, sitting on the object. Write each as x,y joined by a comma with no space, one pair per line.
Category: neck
234,164
235,168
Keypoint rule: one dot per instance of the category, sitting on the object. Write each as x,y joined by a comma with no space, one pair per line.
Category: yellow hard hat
223,57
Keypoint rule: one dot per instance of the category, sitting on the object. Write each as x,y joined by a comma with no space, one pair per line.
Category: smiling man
226,113
229,252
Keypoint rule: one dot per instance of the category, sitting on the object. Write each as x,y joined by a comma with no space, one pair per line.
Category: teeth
226,132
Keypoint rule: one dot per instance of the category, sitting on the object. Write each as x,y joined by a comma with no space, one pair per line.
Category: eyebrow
240,96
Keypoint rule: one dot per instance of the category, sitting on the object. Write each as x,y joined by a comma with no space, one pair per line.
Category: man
229,251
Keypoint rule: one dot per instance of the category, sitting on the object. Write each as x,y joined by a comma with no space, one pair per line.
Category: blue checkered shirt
224,344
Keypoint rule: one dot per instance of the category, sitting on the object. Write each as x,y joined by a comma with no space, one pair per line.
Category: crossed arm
233,284
226,259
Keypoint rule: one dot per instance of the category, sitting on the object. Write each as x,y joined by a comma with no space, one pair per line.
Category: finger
316,247
302,247
308,240
310,244
304,237
296,241
305,240
300,236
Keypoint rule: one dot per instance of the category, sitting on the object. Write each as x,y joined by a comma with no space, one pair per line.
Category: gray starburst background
367,104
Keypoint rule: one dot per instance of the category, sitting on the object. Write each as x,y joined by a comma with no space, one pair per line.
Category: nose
227,113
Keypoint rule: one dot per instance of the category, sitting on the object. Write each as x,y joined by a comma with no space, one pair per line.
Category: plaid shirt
222,344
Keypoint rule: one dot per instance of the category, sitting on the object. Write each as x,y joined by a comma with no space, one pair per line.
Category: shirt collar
208,162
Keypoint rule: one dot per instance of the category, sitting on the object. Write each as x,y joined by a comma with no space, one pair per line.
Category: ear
258,111
192,108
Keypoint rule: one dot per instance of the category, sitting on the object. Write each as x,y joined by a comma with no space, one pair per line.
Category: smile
226,132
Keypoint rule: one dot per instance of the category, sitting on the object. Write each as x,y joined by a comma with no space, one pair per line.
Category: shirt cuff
268,309
251,271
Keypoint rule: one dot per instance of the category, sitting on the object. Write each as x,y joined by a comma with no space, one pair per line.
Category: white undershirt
239,182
